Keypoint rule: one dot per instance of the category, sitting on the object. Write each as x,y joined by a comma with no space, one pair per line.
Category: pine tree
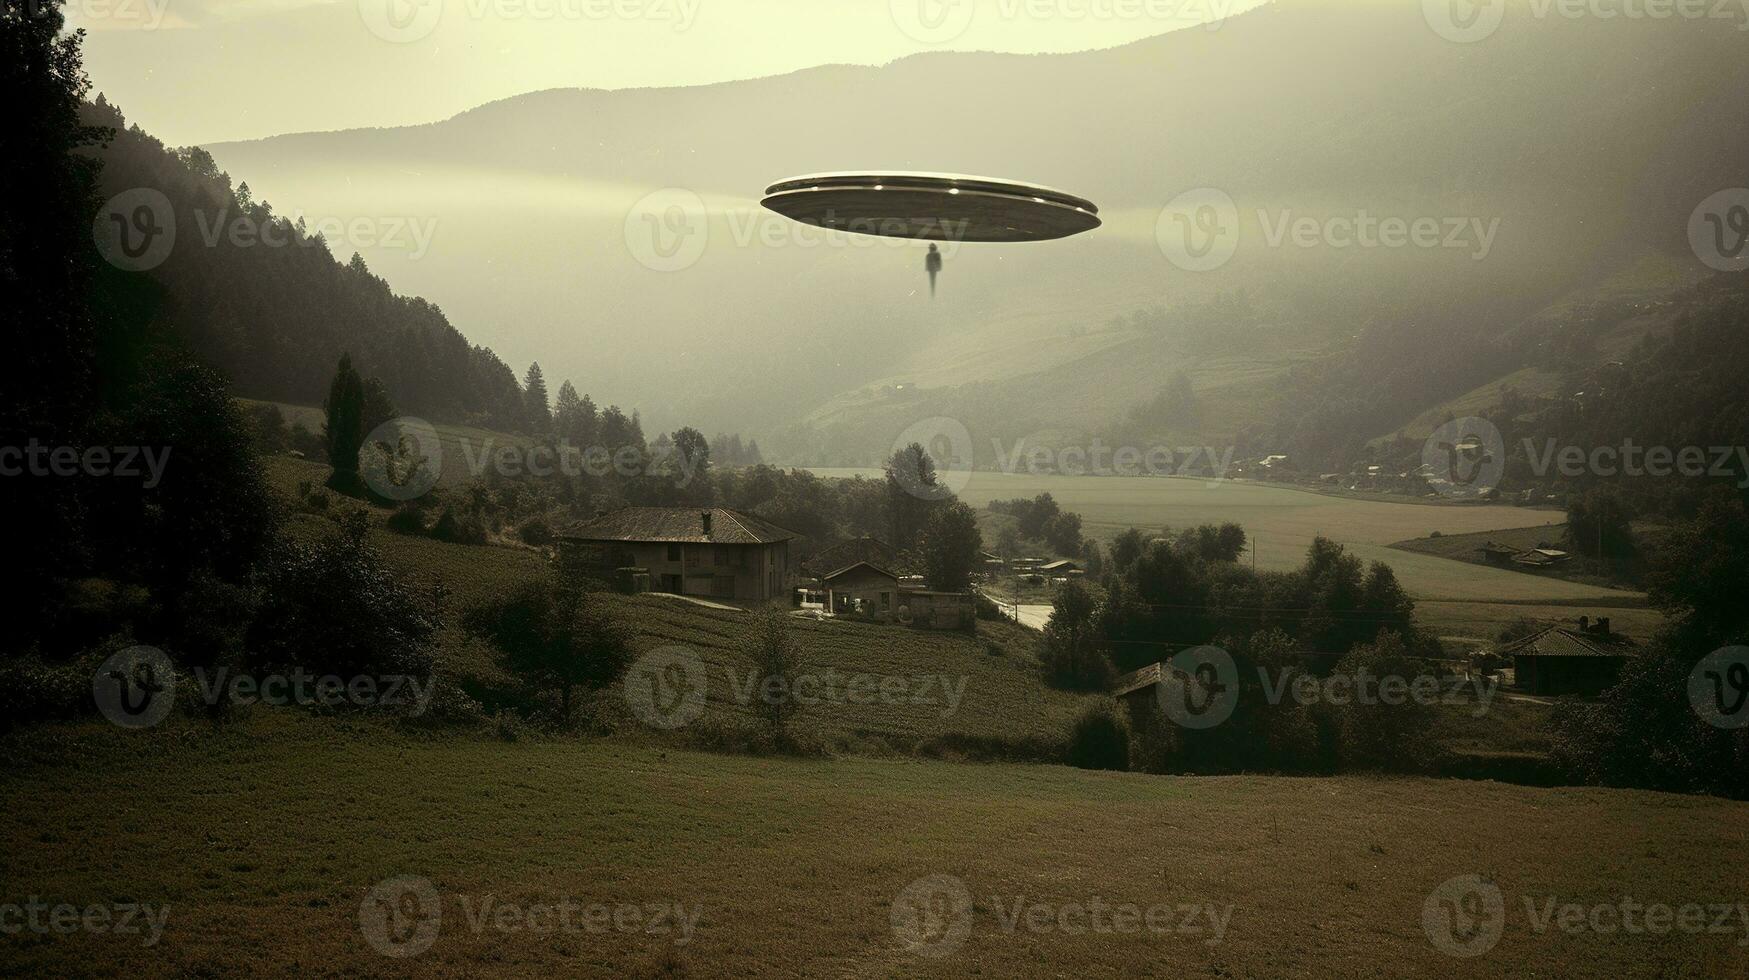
534,397
565,410
344,429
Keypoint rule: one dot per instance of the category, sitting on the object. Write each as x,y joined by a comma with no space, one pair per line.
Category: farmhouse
866,590
860,587
1059,568
1558,660
713,553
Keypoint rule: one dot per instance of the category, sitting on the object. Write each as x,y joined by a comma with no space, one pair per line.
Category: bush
1100,738
407,519
536,531
1645,733
1378,735
336,607
458,528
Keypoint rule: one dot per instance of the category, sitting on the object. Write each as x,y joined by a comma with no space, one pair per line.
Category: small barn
1557,661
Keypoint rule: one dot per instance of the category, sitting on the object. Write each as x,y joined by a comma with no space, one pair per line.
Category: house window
886,600
673,552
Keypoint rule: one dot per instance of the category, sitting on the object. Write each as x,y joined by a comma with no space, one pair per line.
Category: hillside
542,210
993,701
262,841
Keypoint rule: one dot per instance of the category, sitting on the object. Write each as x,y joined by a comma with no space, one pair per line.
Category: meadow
260,843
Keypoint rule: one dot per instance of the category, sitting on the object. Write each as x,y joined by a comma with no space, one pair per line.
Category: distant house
712,553
1497,554
1559,660
1059,568
1541,557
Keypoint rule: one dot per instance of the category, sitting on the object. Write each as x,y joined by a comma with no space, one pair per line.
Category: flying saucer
932,207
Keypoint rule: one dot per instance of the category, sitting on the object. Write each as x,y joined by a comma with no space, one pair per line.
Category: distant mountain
1552,156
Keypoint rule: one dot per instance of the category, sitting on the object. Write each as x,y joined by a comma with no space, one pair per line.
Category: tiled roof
847,553
683,524
829,576
1558,641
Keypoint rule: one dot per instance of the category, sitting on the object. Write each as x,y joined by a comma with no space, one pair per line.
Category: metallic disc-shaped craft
932,207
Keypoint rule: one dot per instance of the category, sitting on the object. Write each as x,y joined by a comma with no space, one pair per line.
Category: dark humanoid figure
933,264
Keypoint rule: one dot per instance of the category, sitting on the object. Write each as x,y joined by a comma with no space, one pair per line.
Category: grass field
259,844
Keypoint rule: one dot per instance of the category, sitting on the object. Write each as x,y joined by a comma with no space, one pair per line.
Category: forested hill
262,298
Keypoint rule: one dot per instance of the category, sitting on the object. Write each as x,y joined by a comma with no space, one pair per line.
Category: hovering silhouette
932,263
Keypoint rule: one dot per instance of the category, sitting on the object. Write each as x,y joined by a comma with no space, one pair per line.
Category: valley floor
260,847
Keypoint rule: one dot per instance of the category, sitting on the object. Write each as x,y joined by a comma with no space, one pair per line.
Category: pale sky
202,71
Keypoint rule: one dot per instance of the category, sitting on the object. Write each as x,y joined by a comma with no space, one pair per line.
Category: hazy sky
198,71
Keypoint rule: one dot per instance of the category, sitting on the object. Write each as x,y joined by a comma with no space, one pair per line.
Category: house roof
853,566
1135,680
682,524
844,553
1558,641
1060,563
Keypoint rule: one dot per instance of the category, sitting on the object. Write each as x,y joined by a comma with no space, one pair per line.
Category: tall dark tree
45,270
950,547
534,395
912,490
343,431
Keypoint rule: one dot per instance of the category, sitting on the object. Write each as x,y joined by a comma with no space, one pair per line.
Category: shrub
1384,736
407,519
336,607
457,528
1100,738
1645,733
553,638
536,531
